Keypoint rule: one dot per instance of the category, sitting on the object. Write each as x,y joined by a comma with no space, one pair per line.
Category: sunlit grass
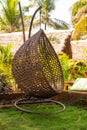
73,118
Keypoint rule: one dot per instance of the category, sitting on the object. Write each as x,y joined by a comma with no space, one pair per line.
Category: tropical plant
77,6
5,54
72,69
80,28
67,66
6,77
79,19
58,24
47,7
53,39
79,68
9,18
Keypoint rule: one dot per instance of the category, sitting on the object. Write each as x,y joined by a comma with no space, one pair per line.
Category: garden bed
67,96
10,96
73,97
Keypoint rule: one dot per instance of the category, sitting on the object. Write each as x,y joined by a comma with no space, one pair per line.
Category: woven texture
37,69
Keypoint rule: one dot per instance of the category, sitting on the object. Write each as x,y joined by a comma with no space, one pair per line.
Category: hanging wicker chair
37,69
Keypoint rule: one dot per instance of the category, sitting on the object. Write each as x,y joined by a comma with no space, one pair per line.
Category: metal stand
37,101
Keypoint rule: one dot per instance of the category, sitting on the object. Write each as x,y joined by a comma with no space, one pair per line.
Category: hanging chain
40,18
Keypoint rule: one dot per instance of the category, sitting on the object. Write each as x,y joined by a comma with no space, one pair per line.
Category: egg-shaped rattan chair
37,70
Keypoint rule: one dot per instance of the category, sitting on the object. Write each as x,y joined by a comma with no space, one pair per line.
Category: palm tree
9,17
79,19
47,7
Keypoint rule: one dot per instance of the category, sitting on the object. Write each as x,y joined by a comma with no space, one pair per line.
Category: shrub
67,65
6,77
72,69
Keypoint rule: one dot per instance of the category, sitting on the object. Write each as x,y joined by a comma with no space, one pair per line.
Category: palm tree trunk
45,26
10,28
46,17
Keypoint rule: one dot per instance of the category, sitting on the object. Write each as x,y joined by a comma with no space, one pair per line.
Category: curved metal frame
36,101
32,21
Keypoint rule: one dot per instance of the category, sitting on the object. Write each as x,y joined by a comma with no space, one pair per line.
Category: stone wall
78,47
15,38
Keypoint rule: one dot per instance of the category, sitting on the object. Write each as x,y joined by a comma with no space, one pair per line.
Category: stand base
37,101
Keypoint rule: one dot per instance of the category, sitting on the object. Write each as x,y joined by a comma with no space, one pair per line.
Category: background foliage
6,77
79,19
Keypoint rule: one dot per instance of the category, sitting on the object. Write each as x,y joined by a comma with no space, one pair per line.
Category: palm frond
77,6
59,24
10,14
2,21
78,16
47,4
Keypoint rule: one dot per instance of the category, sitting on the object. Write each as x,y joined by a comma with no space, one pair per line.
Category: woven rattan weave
36,67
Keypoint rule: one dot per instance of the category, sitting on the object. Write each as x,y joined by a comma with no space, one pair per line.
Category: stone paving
56,37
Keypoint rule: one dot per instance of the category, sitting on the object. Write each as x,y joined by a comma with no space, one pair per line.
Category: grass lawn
73,118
